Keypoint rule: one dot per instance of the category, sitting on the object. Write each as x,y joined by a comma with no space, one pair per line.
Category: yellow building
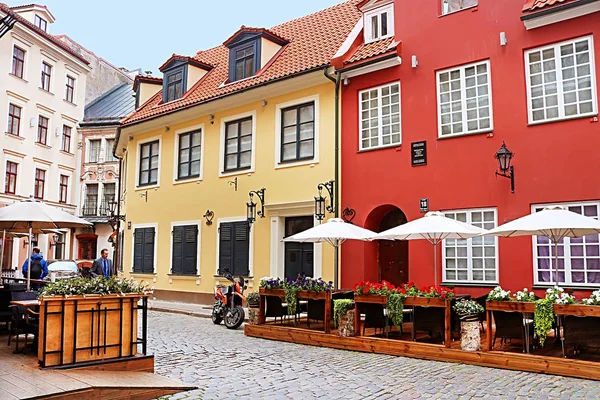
256,112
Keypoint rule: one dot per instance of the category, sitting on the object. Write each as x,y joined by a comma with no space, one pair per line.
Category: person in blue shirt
39,267
102,266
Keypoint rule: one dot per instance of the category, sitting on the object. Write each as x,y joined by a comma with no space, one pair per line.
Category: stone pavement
225,364
195,310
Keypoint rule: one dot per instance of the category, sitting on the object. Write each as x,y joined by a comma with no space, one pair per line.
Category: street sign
424,206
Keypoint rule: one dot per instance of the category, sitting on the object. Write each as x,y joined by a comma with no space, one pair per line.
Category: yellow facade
290,189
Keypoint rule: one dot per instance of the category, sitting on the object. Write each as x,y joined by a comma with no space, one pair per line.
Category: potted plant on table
468,312
253,300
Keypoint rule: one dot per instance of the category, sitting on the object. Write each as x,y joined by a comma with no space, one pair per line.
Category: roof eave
554,9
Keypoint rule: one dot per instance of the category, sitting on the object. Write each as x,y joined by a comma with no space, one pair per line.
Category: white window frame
105,148
199,246
379,117
139,226
199,127
251,244
43,19
470,280
222,144
444,2
88,149
389,9
138,153
566,247
278,121
559,82
463,99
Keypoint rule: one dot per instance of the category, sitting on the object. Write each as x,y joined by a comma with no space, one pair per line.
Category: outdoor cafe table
27,304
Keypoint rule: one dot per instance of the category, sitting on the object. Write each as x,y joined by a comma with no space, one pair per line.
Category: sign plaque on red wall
418,153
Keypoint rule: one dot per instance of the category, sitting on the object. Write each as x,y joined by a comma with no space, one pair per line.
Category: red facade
555,162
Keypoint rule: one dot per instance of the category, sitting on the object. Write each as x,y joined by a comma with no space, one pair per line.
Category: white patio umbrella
434,227
31,215
556,223
335,232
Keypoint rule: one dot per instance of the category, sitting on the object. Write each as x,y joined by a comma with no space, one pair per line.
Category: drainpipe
118,248
336,188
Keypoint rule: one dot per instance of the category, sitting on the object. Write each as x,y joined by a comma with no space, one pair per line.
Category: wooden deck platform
21,378
546,360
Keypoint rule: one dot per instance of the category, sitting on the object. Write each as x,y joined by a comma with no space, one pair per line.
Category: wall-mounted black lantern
504,157
112,208
321,202
251,206
209,215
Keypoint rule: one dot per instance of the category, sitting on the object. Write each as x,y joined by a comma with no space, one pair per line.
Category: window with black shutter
234,248
185,250
143,250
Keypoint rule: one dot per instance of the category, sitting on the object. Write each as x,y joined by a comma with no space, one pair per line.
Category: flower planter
519,306
87,328
579,310
370,298
470,338
426,302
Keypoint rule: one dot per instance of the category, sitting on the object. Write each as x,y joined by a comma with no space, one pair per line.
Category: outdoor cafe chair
580,332
275,308
375,317
24,320
512,325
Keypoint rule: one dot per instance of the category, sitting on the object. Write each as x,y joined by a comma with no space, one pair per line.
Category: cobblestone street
226,364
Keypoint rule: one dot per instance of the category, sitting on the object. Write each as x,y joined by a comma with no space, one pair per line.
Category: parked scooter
229,303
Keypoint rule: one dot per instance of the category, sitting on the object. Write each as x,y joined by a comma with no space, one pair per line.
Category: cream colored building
42,92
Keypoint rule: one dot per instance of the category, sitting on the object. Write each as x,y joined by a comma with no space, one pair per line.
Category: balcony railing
90,209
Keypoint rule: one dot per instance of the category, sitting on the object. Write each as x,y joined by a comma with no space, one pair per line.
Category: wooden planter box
370,298
427,302
579,310
81,329
518,306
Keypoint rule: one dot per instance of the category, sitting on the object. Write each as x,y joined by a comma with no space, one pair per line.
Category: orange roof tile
535,5
313,40
187,59
372,49
276,38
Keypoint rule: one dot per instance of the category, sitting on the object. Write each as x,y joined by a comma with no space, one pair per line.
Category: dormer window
251,49
244,62
379,23
174,85
40,23
180,73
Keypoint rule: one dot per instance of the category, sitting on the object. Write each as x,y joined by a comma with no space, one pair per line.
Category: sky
136,34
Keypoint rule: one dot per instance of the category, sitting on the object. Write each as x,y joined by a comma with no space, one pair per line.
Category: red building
463,77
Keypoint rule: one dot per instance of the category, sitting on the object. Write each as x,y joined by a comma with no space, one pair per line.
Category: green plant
593,300
341,307
98,285
558,295
525,295
499,294
543,317
395,308
467,308
291,298
253,297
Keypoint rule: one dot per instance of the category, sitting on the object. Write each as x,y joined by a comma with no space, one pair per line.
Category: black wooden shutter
225,248
138,249
177,261
148,253
241,254
190,250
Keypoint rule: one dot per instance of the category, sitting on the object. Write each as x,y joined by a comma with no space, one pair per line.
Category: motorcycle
229,302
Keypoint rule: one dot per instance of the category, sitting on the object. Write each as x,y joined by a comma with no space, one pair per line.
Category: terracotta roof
372,49
313,40
536,5
187,59
33,5
277,39
145,79
6,10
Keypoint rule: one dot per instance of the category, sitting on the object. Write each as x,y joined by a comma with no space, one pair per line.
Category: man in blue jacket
39,267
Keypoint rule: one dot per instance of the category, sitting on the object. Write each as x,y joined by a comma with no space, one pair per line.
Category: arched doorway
392,255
